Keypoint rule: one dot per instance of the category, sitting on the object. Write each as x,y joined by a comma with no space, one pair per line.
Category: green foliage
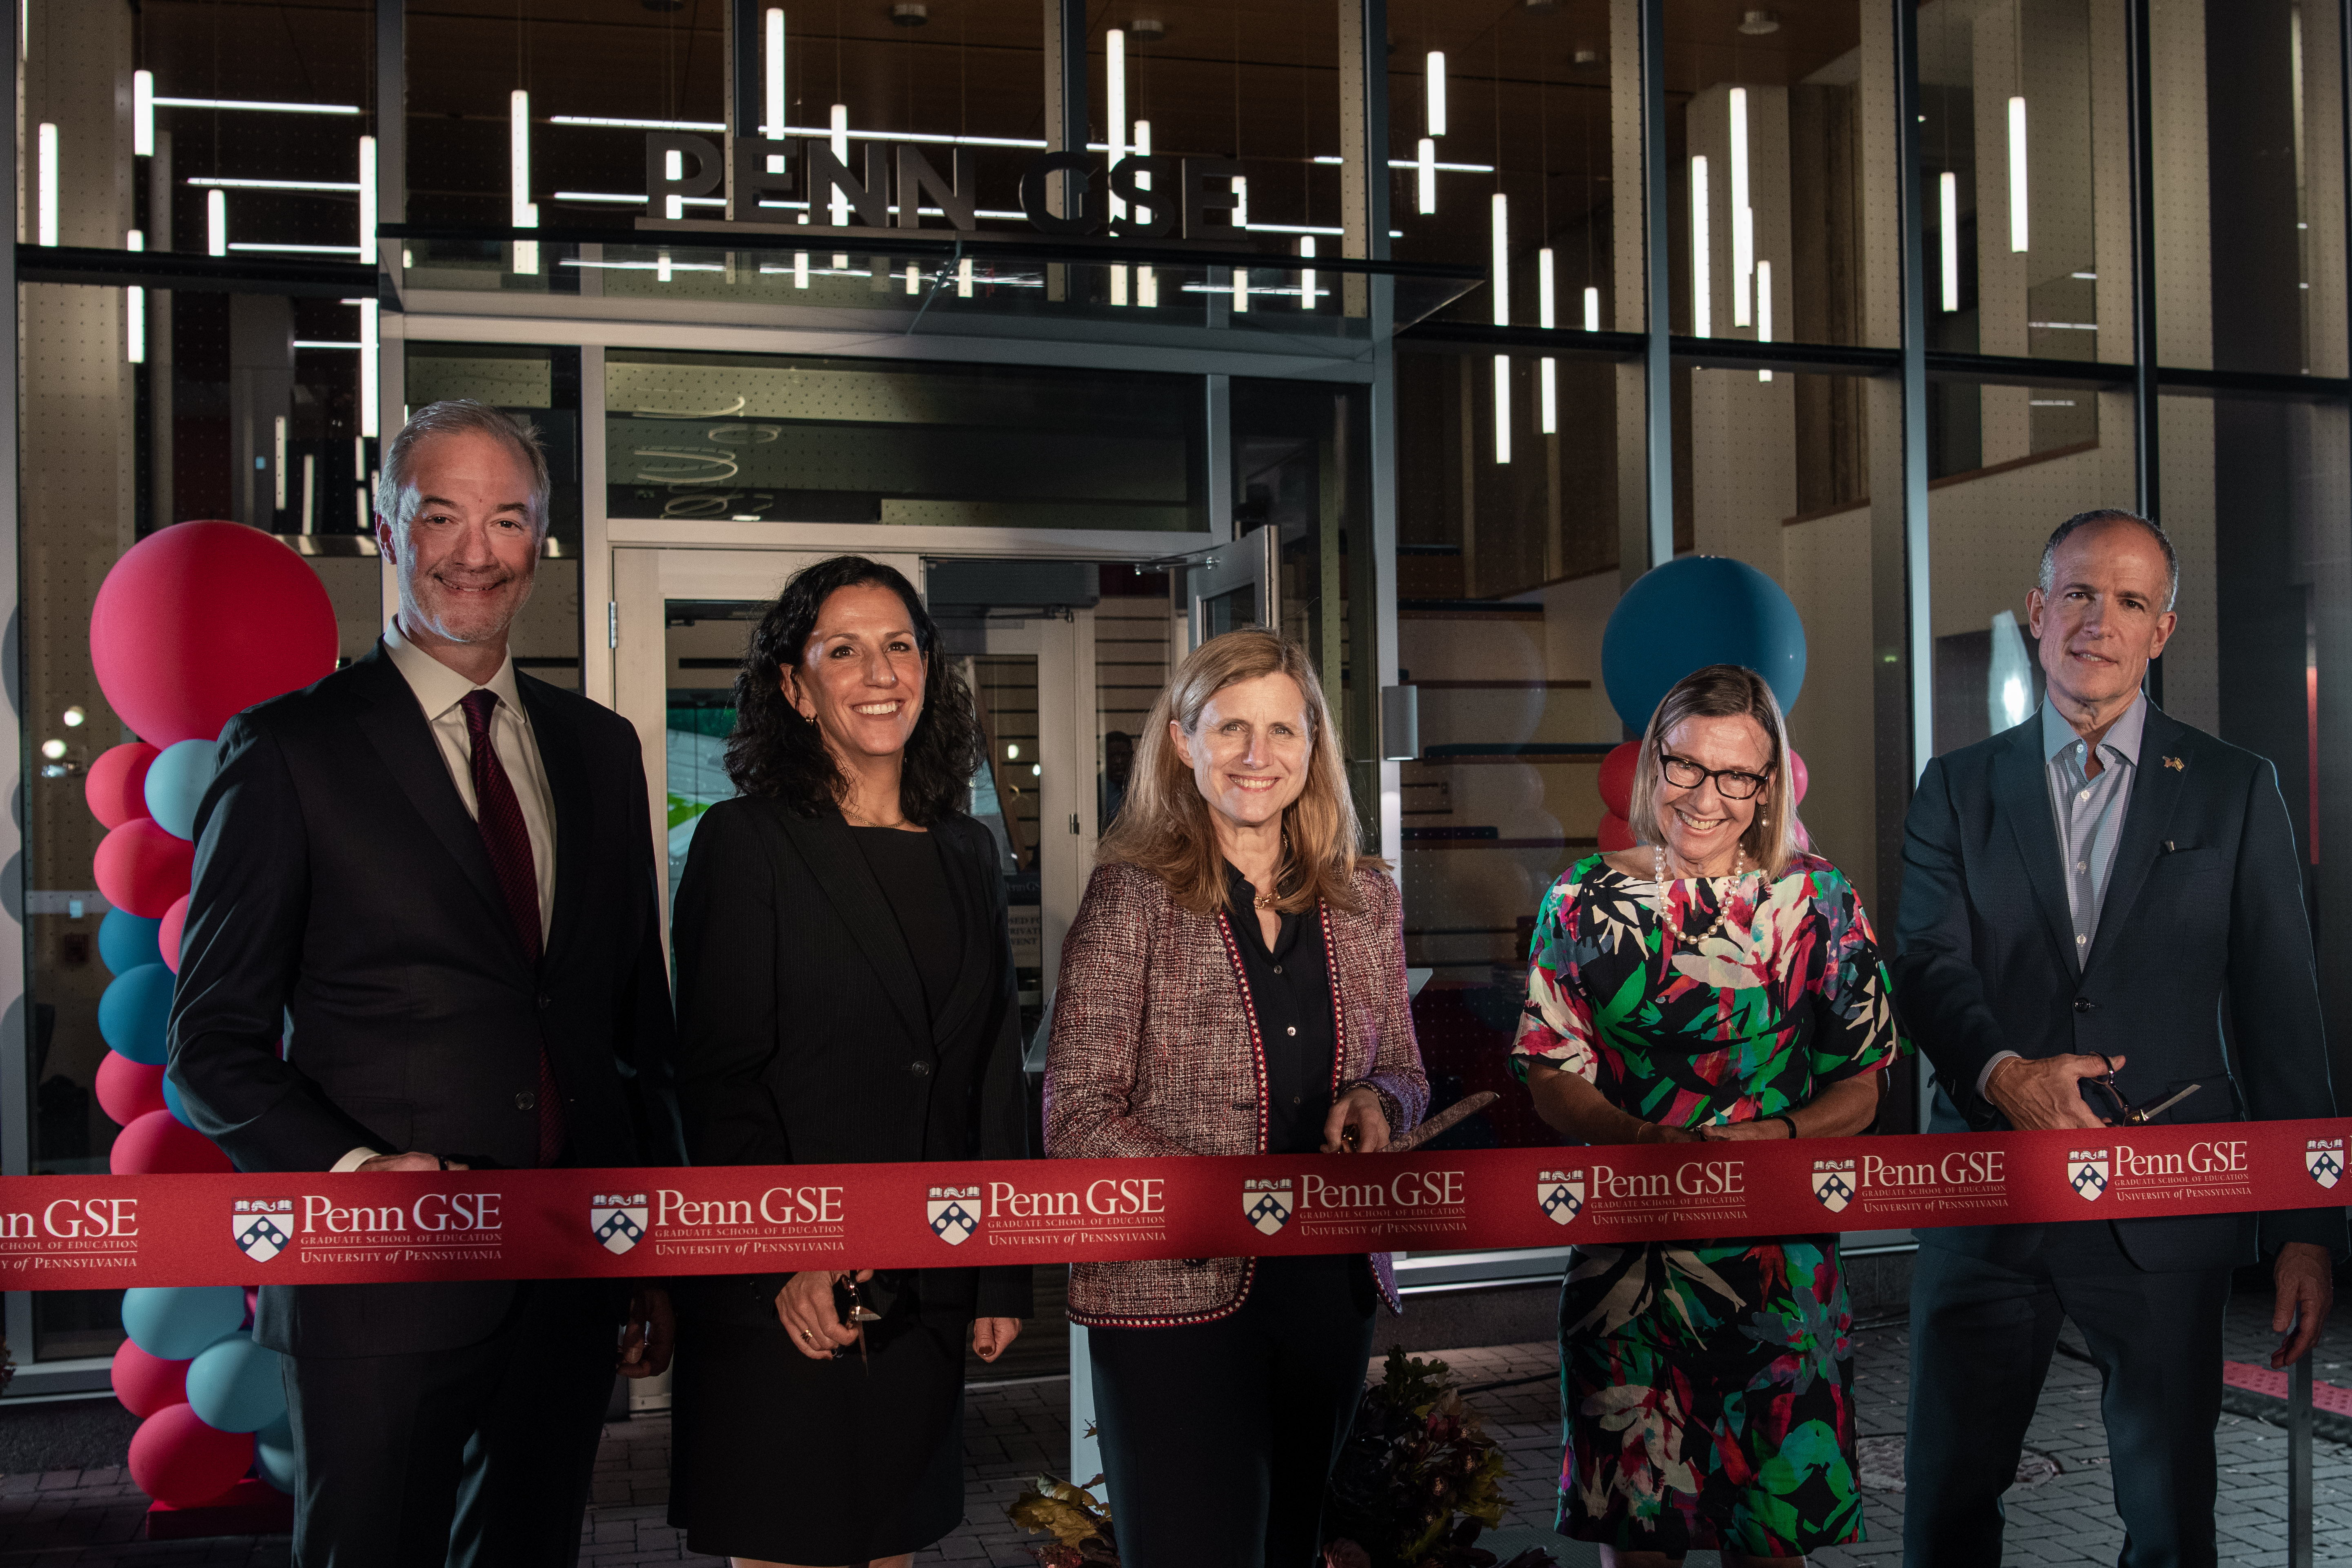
1418,1478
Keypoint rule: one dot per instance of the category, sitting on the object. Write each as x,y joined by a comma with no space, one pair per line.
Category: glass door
1237,585
680,620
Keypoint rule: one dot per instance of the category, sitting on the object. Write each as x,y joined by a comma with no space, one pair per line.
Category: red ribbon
72,1233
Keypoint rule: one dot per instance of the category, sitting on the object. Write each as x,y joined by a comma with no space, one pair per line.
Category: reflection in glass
818,441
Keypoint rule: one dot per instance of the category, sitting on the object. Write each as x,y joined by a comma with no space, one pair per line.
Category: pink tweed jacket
1155,1051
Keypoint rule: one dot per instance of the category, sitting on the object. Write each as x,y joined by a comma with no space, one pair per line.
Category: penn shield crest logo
2324,1158
2086,1173
262,1227
1834,1184
617,1220
954,1214
1561,1194
1267,1202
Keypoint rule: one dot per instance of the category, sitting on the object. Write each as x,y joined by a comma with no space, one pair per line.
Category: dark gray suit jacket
340,879
2202,933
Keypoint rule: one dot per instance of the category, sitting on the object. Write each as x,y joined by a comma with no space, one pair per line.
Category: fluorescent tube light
1763,310
840,134
46,233
1502,408
1502,259
277,458
1948,187
612,122
142,114
134,307
1551,409
774,60
1592,309
209,182
1545,313
1306,273
1115,84
367,197
2017,175
1425,181
371,356
1743,226
1702,261
1436,124
215,223
525,211
256,107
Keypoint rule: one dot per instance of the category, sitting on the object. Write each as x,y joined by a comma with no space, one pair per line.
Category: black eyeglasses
1730,782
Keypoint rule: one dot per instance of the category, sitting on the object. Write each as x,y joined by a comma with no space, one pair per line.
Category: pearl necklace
1722,896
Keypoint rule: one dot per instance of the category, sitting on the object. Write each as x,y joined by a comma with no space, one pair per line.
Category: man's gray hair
2066,530
459,417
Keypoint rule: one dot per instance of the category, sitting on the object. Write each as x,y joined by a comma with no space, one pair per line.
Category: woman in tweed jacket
1234,985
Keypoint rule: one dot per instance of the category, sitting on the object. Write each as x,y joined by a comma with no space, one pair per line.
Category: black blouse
908,866
1290,988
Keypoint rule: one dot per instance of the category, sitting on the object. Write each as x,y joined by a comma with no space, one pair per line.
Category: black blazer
2203,924
340,884
803,1035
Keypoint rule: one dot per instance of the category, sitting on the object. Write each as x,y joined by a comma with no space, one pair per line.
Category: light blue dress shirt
2088,813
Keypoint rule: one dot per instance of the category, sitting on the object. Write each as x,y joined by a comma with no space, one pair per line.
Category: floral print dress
1706,1386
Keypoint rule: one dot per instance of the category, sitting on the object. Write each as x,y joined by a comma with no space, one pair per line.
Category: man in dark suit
2087,899
437,874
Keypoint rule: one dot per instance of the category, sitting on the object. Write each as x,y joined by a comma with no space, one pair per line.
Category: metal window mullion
15,1002
1657,348
2146,412
1918,646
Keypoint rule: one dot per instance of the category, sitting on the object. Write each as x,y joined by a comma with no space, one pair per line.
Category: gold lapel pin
2175,762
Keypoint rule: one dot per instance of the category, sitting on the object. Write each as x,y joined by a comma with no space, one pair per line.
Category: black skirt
786,1460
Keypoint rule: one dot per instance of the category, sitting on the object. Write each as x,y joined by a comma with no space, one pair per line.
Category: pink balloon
1615,833
116,784
1617,778
128,1091
176,1459
156,1144
201,620
142,868
176,921
1798,779
147,1383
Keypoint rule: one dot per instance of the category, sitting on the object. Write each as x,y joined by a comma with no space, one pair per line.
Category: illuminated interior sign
899,183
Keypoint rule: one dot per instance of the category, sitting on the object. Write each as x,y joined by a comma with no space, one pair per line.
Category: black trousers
1218,1438
1981,1338
479,1456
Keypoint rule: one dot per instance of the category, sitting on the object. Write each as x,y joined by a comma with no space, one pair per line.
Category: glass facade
1376,289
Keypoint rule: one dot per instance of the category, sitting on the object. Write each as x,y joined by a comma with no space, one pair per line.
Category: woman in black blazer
845,995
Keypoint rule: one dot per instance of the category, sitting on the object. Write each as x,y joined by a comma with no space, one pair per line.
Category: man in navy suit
441,872
2089,900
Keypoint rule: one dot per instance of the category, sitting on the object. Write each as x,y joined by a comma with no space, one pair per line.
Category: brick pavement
81,1519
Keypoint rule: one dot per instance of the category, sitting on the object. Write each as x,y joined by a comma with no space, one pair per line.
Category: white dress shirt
441,692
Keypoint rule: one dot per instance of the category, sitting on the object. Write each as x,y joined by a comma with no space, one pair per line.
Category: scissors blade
1446,1121
2154,1112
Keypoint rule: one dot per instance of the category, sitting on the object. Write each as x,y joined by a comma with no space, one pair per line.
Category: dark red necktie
498,814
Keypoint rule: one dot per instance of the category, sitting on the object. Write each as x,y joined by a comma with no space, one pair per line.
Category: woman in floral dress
1715,982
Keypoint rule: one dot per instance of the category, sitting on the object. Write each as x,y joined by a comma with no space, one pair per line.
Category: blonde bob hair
1164,827
1723,691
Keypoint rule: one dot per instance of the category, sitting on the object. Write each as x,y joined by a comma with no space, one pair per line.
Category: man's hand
2305,1278
2037,1096
992,1337
652,1331
805,1307
411,1161
1358,1108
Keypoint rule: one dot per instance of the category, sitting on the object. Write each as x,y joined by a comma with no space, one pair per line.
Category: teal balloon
175,1322
1689,614
273,1455
176,781
125,942
236,1386
177,1106
134,1009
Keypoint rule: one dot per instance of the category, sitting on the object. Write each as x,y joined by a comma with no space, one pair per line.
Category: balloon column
1681,616
193,624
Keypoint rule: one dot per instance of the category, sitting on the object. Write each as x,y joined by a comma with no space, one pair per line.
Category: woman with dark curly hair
845,994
